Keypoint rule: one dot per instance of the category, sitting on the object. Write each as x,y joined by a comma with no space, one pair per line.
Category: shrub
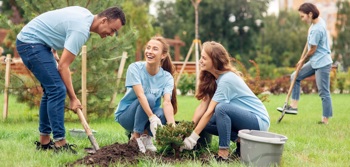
170,138
187,83
343,81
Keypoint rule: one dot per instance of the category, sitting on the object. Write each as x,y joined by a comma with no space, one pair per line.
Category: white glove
190,141
154,122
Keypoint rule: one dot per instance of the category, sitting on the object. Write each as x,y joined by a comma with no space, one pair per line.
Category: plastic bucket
260,148
80,132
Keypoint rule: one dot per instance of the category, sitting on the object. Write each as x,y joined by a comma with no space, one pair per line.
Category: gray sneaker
141,145
147,142
288,110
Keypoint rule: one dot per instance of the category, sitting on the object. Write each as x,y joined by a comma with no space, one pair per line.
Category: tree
341,45
216,20
285,35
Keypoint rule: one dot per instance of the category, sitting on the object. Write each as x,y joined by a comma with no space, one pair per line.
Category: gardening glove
190,141
154,122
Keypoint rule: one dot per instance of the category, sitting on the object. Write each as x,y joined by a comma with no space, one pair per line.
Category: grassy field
309,144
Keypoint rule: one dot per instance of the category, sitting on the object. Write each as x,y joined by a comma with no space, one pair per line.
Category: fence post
7,81
83,81
119,76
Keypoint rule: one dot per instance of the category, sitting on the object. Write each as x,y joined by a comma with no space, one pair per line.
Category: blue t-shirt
160,84
318,36
62,28
232,89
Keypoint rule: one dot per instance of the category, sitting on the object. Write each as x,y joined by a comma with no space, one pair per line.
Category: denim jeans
134,119
323,85
227,120
39,59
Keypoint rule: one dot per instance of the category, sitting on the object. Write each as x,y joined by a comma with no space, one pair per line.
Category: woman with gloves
147,82
227,103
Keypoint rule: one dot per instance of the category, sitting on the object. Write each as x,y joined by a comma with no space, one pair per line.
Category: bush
170,138
343,81
187,83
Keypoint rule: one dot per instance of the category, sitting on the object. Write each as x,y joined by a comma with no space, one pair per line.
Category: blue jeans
39,59
323,85
227,120
134,119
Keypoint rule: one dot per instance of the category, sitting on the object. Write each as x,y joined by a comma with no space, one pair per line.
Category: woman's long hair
167,65
221,62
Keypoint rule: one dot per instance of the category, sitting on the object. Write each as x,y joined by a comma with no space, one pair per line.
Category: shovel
88,131
292,84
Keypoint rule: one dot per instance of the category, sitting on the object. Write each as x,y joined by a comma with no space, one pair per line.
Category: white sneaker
141,145
148,143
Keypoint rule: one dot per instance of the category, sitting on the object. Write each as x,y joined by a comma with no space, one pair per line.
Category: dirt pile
124,153
128,153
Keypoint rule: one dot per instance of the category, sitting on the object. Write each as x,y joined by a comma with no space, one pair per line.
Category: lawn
309,144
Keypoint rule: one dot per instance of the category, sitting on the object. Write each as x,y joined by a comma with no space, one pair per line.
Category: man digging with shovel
64,29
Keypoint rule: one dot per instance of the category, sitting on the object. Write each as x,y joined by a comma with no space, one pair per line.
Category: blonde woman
139,111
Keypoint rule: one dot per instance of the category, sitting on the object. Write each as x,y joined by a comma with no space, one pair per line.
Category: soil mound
123,153
129,153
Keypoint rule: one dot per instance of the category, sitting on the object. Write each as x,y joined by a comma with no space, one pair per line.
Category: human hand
74,104
3,59
55,55
300,62
190,141
154,122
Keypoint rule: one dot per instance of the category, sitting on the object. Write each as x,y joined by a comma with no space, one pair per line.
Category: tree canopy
103,55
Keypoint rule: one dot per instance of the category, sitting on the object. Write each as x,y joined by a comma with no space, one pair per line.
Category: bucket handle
283,139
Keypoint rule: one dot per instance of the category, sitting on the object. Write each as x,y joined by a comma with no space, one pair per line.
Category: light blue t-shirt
232,89
318,36
62,28
160,84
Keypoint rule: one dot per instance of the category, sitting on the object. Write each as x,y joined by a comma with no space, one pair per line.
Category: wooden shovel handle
87,129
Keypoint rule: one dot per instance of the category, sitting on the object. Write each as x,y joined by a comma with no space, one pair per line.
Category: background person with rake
227,103
64,29
146,83
320,62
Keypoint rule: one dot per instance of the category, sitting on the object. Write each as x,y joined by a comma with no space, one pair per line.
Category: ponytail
167,65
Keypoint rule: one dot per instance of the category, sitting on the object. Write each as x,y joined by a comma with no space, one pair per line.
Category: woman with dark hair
147,82
320,62
227,103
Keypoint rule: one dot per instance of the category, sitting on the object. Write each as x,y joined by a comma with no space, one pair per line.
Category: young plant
170,138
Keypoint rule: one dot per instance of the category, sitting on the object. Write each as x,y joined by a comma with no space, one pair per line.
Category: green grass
309,144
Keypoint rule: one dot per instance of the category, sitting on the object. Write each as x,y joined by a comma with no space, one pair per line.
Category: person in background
147,82
227,103
64,29
320,62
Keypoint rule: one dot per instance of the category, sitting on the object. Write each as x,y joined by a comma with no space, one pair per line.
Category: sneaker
219,158
288,110
48,146
141,145
67,148
322,123
148,143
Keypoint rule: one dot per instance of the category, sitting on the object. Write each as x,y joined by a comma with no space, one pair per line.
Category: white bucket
260,148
